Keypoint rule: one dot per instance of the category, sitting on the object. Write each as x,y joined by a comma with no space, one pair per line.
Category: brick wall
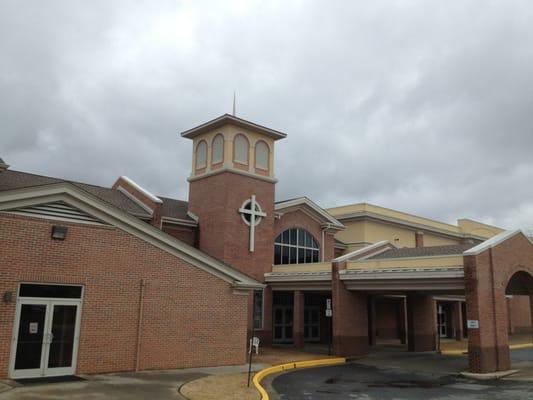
141,197
186,234
486,278
191,318
222,232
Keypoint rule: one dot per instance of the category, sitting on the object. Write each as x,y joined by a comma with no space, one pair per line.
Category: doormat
49,379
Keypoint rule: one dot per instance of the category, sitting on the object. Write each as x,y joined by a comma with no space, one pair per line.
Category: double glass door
46,338
283,316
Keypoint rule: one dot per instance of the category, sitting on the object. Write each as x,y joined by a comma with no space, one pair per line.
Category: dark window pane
30,337
308,240
278,316
315,255
293,236
63,330
277,332
308,256
288,332
292,255
286,237
301,256
301,237
285,255
258,311
277,254
56,291
279,238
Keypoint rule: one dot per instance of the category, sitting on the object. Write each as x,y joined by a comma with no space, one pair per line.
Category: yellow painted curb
293,365
521,346
465,351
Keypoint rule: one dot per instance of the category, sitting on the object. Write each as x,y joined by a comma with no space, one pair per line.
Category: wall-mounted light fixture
59,232
7,297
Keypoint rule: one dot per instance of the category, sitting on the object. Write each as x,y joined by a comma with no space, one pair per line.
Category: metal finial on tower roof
234,103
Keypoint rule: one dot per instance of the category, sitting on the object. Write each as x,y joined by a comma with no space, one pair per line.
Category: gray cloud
420,106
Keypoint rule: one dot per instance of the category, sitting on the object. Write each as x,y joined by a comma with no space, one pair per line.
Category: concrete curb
258,377
489,376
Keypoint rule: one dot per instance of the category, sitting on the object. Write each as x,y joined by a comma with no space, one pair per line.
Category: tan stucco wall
314,267
413,262
387,212
229,132
434,240
357,233
372,232
478,228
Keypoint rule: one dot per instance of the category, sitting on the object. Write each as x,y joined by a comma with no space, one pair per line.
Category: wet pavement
399,375
357,381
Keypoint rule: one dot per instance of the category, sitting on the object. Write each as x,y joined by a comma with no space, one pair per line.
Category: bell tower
232,190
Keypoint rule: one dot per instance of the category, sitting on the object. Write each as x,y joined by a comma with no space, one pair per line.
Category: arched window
262,153
201,155
296,246
240,149
217,149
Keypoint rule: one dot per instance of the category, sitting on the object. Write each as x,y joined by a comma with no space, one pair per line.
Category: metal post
250,347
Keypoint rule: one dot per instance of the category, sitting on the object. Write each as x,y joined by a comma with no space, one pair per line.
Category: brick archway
493,269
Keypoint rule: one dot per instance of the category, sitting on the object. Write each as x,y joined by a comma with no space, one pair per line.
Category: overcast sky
421,106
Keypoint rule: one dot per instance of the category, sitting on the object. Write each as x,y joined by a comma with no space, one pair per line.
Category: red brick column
372,320
419,239
488,347
350,319
531,312
266,333
457,318
421,323
402,322
298,319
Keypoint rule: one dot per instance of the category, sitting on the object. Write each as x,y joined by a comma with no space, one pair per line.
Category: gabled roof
304,203
86,201
231,119
428,251
171,208
494,241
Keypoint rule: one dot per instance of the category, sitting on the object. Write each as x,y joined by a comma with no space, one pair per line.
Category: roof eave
230,119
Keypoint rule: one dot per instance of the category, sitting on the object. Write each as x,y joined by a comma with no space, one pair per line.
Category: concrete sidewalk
157,385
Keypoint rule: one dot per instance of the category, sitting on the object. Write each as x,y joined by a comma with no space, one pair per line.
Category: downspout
323,246
139,325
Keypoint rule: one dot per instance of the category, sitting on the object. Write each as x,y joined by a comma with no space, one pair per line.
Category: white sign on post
329,313
472,324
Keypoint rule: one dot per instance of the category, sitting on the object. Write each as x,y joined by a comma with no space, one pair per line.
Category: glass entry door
442,322
46,338
283,316
312,324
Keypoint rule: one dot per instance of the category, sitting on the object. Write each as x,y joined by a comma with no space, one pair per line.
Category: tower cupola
233,144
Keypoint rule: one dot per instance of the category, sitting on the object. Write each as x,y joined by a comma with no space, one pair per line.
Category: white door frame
45,349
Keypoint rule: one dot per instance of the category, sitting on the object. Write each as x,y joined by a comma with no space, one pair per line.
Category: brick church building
105,279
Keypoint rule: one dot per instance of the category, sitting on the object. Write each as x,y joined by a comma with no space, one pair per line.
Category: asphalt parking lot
360,380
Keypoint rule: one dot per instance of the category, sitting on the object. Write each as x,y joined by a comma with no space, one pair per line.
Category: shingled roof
12,180
428,251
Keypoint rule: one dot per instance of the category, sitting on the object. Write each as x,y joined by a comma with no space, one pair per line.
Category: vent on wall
59,211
